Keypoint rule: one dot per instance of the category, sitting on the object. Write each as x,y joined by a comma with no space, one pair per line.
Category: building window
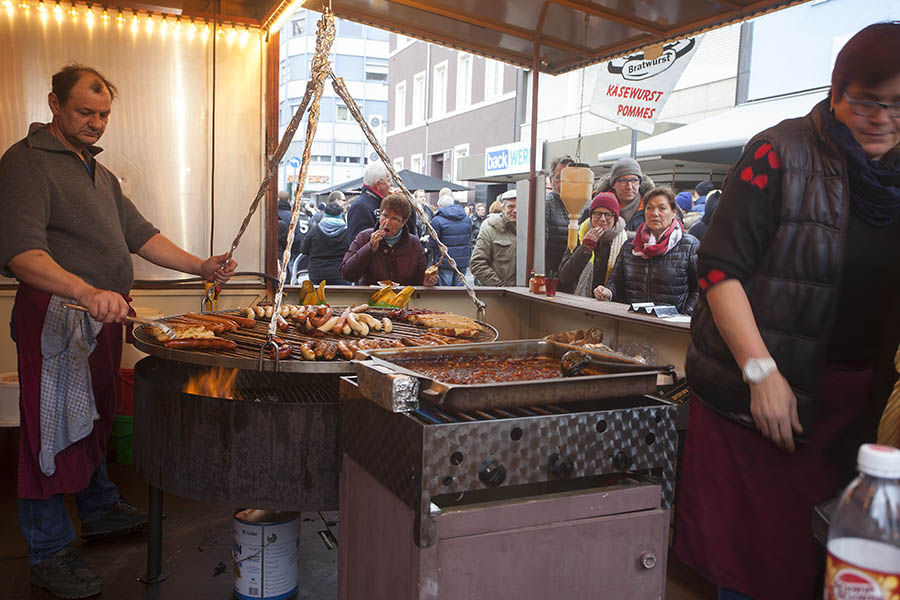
376,73
439,90
400,105
463,80
347,159
320,152
343,114
298,27
493,78
415,163
398,163
418,98
459,153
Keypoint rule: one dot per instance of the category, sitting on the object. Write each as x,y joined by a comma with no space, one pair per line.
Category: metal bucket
266,554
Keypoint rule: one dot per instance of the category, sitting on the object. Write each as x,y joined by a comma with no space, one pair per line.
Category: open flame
215,383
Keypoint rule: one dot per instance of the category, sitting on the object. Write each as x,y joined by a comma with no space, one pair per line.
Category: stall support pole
532,176
154,572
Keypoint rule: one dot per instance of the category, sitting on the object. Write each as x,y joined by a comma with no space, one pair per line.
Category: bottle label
847,581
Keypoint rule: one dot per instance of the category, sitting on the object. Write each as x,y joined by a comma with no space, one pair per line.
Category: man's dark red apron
76,464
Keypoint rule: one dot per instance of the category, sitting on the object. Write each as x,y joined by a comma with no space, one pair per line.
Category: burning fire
215,383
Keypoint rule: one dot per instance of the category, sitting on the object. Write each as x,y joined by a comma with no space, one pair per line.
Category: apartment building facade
446,105
340,151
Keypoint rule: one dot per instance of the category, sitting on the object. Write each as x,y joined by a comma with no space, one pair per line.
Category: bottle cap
879,460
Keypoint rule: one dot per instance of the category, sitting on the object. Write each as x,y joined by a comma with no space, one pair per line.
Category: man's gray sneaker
120,519
66,575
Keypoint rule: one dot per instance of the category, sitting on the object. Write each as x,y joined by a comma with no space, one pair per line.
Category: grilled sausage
342,320
260,311
409,341
284,348
319,349
250,313
359,308
330,351
345,350
307,352
230,325
196,343
386,325
328,325
214,327
319,319
241,321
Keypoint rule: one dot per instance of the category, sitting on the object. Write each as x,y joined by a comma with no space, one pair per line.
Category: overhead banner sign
632,91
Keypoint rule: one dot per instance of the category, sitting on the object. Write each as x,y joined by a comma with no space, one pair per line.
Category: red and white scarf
646,245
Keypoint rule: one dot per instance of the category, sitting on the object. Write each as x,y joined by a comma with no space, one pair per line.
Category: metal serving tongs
168,331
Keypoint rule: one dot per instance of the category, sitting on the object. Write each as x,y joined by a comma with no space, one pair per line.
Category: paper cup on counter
9,399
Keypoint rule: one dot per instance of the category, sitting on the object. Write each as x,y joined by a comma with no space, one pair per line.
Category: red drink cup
551,284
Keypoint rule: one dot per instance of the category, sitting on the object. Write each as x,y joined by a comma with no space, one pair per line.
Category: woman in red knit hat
601,237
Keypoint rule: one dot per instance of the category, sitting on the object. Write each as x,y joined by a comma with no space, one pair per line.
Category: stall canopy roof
721,138
506,29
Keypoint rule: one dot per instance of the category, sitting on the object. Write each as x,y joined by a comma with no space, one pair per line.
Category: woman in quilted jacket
660,263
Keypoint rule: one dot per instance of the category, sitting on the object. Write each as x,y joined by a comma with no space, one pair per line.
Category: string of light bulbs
92,15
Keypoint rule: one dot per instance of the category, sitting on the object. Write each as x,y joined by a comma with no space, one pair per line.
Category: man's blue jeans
46,524
447,277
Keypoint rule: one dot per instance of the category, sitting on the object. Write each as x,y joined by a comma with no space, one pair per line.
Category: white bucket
266,554
9,399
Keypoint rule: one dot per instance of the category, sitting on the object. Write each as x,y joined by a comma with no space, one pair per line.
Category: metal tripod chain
341,89
320,70
581,99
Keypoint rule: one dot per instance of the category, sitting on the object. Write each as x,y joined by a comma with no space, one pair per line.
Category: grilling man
67,233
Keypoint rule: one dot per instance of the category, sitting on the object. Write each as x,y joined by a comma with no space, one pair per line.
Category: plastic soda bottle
864,538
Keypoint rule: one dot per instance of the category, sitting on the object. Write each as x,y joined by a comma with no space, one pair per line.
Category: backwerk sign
632,91
509,159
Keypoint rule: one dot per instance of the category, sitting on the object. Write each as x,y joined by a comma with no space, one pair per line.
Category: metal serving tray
389,384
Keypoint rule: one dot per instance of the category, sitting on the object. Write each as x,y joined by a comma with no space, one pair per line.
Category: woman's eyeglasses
606,216
868,108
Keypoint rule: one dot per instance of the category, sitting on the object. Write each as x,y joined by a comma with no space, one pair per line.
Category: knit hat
704,187
685,201
605,200
625,166
333,209
320,206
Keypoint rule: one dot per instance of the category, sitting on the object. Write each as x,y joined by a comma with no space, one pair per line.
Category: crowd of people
658,230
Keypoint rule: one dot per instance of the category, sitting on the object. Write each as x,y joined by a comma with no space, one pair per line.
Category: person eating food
388,252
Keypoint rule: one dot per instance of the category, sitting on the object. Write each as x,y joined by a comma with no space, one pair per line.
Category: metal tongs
168,331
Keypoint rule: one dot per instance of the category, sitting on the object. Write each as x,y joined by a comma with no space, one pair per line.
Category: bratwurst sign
632,91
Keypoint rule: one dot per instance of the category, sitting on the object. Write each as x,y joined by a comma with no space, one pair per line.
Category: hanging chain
320,70
581,99
341,89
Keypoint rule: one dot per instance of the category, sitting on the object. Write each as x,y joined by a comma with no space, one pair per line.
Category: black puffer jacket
667,279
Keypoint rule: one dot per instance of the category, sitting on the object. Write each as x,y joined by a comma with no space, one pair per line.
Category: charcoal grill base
276,455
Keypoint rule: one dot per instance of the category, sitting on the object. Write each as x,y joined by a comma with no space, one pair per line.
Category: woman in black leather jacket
660,263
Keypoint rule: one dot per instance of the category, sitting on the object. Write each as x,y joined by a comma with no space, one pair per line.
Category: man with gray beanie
629,184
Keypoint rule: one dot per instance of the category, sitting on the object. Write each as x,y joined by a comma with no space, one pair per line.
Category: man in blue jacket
454,228
363,213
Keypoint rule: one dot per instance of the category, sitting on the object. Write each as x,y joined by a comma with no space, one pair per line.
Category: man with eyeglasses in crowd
628,183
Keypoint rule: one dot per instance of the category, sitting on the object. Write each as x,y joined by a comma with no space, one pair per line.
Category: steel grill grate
431,415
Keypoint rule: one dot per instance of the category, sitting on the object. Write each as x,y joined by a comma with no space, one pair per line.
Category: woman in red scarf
660,264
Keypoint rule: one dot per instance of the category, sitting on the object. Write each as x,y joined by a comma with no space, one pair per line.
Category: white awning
721,138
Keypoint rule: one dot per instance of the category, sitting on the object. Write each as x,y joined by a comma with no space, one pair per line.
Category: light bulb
58,12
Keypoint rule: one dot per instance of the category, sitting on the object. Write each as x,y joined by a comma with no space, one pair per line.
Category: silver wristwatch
757,369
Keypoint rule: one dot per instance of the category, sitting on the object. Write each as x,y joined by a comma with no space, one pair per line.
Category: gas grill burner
434,453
